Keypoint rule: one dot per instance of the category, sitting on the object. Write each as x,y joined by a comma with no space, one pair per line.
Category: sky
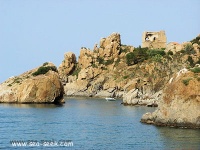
36,31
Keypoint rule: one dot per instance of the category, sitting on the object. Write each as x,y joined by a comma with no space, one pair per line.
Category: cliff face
180,105
90,77
137,74
40,85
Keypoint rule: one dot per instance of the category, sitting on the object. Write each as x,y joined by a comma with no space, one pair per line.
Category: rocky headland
180,105
138,75
39,85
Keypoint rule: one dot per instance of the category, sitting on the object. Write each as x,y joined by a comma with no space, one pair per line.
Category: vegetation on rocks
186,81
76,71
140,54
25,88
196,40
195,69
44,69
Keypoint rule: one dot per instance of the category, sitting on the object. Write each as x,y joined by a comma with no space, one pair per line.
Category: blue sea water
88,124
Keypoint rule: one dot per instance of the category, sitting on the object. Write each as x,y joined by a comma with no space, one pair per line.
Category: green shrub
108,62
188,49
157,58
170,53
138,55
191,61
46,63
196,40
186,81
17,80
94,66
195,70
44,70
100,60
130,58
123,50
76,72
155,52
125,77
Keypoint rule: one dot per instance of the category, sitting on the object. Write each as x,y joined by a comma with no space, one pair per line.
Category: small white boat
110,99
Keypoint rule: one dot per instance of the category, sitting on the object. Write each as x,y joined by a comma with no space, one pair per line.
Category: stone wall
154,40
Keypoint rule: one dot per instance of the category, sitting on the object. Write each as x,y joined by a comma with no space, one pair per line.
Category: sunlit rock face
67,66
180,105
40,85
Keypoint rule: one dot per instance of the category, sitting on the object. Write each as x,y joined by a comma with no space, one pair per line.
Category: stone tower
154,40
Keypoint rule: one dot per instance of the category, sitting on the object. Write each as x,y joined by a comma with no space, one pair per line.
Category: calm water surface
89,124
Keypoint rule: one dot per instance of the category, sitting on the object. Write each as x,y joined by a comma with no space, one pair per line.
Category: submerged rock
40,85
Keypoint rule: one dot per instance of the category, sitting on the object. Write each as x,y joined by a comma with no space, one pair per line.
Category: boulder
34,86
131,97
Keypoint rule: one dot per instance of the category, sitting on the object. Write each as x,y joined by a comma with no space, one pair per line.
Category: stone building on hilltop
154,40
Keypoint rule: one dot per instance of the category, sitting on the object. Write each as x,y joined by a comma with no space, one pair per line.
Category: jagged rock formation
105,71
138,75
40,85
91,68
67,66
180,106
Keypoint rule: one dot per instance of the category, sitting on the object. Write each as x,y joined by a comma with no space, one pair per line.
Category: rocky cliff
138,75
40,85
180,105
110,69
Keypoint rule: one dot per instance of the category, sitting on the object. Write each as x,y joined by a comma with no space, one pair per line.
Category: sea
88,124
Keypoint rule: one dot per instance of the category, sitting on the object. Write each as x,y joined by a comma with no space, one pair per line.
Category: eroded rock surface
42,87
180,105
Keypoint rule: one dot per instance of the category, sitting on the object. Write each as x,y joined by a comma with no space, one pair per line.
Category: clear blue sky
35,31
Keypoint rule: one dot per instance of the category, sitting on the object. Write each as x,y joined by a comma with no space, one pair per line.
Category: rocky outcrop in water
138,75
180,105
110,69
40,85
